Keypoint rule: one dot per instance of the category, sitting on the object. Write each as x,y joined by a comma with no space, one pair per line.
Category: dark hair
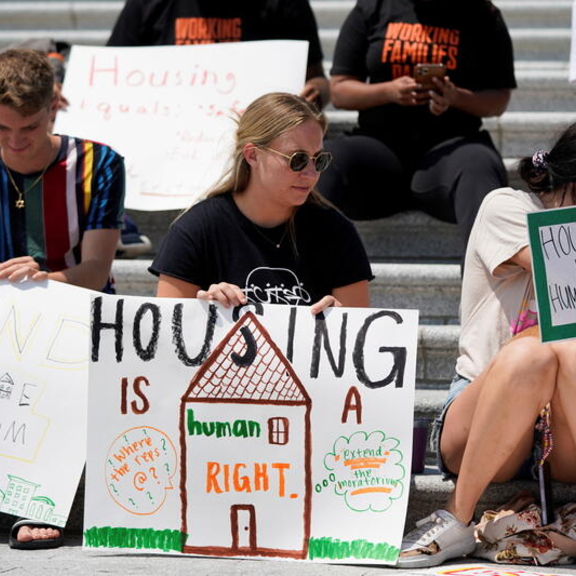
558,168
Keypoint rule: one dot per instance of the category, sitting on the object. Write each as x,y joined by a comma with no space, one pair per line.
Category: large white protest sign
43,394
169,109
553,247
264,432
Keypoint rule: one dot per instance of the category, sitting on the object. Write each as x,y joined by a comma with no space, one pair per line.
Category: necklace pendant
278,246
19,203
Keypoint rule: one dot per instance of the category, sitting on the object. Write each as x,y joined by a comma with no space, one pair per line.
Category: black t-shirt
167,22
384,39
214,242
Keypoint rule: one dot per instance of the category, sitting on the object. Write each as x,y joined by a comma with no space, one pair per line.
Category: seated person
418,147
61,201
486,430
263,234
167,22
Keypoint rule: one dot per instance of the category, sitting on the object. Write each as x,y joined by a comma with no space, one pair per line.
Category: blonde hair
26,81
268,117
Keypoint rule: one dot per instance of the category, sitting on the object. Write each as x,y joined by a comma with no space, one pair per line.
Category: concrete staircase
416,258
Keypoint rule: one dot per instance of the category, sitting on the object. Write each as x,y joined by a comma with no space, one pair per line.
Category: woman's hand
405,91
323,303
224,293
443,96
17,269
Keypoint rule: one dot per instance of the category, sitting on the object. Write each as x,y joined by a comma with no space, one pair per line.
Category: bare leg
488,430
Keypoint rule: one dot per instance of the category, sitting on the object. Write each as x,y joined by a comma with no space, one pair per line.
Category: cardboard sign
43,396
170,110
488,571
553,246
255,432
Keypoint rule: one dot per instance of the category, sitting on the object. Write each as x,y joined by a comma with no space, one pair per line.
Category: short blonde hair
26,81
268,117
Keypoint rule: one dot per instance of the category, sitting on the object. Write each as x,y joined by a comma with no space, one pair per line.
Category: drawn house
246,451
6,386
18,495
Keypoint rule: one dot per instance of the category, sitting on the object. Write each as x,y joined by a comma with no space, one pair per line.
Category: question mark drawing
144,430
149,495
167,466
164,444
126,439
114,488
154,475
132,502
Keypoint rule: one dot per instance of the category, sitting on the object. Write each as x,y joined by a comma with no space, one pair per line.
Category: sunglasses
299,160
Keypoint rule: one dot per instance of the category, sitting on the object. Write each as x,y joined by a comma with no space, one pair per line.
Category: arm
481,103
354,295
523,258
98,249
317,87
351,93
224,293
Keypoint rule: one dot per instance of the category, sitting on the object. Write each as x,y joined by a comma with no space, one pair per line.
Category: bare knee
528,364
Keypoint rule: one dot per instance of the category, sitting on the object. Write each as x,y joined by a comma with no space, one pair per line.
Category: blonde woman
264,234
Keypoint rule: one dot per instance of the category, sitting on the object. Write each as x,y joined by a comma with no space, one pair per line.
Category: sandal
38,544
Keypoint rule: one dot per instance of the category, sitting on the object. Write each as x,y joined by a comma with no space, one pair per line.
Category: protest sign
553,246
488,571
169,110
259,432
43,396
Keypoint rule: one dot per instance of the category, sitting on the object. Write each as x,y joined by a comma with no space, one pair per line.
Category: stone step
434,289
515,134
330,14
529,43
437,346
428,492
538,31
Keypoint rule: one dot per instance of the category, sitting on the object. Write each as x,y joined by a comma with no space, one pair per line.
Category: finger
233,294
39,276
323,303
204,295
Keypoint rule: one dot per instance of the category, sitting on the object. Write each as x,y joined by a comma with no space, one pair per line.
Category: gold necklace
276,244
20,202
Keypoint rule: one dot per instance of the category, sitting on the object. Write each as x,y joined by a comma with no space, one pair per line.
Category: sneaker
435,539
131,242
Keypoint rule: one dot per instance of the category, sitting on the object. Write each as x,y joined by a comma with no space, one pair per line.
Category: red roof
230,373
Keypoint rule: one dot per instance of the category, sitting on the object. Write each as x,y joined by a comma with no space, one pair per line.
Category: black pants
368,180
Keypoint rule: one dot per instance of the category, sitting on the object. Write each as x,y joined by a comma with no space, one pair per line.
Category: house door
243,519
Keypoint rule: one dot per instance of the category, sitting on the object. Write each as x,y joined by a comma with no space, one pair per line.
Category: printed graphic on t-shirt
275,286
406,45
207,30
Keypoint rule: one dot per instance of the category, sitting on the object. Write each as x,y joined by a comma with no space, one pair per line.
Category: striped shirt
83,189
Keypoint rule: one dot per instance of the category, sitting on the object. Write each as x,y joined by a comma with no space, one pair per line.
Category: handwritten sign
262,431
43,395
553,246
169,110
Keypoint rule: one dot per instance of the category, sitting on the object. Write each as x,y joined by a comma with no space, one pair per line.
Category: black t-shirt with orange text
181,22
384,39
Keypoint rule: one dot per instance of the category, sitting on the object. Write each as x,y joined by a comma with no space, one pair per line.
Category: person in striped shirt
61,203
61,198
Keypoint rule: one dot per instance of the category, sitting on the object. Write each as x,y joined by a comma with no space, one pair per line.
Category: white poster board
553,248
169,109
253,433
43,395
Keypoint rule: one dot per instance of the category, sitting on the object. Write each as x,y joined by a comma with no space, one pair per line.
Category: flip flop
13,541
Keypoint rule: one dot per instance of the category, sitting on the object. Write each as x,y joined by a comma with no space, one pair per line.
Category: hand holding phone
423,74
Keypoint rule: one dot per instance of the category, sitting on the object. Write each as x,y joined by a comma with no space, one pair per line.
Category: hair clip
540,161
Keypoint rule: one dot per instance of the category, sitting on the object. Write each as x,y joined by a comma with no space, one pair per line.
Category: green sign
553,247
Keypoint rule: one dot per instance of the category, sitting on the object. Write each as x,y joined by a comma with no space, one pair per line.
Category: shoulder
81,146
326,219
205,213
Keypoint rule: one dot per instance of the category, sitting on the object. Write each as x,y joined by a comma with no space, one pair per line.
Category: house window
278,430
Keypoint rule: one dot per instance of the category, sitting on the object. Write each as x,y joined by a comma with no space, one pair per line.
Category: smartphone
423,74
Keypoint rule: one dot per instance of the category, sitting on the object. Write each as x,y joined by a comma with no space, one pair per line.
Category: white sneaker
435,539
